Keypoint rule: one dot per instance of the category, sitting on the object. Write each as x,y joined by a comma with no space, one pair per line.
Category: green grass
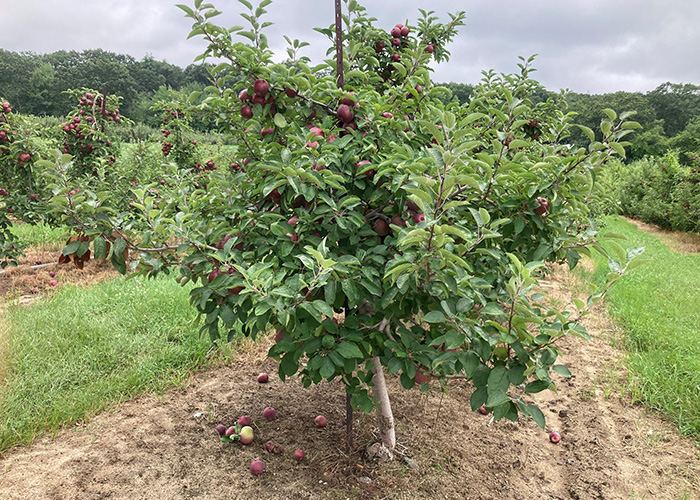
658,306
87,348
40,236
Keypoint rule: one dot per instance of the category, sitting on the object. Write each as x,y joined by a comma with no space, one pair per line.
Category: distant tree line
35,83
669,115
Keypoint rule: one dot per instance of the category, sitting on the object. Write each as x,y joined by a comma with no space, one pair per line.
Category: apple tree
373,227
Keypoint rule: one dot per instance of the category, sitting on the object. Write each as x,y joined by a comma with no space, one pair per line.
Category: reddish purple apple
269,413
257,467
263,378
244,420
321,421
299,455
554,437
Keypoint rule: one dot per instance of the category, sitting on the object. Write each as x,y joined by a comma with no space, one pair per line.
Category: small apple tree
374,227
21,188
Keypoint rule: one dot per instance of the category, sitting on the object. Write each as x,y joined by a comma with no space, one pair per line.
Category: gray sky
592,46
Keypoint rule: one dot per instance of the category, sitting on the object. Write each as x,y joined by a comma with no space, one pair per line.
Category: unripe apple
299,455
554,437
257,467
246,435
261,87
321,421
263,378
269,413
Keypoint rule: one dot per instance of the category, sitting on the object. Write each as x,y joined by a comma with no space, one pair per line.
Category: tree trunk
384,414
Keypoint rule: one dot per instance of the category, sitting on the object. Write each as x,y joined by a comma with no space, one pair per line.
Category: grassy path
658,305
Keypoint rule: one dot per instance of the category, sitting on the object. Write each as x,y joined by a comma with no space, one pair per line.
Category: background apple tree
373,227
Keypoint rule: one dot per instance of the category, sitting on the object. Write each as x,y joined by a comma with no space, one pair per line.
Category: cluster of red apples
242,432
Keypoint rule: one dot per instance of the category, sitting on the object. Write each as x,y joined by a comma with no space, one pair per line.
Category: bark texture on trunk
384,414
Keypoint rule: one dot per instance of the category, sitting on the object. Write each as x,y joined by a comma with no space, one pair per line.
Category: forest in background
36,83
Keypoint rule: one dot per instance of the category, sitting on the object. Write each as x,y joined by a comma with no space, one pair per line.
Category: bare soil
166,447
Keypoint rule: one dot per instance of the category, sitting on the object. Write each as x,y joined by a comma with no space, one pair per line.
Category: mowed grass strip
40,236
658,306
70,356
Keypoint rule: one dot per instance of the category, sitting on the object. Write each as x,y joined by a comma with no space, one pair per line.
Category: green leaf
434,317
562,370
351,292
280,120
100,246
536,415
348,350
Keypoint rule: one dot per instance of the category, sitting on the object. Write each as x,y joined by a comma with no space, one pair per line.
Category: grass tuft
69,357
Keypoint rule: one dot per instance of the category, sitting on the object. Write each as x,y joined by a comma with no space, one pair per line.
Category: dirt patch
39,268
165,447
677,241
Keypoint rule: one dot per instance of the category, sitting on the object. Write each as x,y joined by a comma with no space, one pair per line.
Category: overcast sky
592,46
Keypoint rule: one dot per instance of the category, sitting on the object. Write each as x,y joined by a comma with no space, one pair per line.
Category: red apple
244,420
320,421
397,220
543,206
261,87
395,57
269,413
290,92
404,31
395,31
381,227
247,112
554,437
230,431
345,113
269,446
257,467
418,218
278,335
221,429
263,378
299,455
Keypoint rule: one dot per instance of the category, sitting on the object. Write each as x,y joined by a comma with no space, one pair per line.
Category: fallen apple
257,467
321,421
299,455
269,446
554,437
246,435
263,378
244,420
269,413
221,429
